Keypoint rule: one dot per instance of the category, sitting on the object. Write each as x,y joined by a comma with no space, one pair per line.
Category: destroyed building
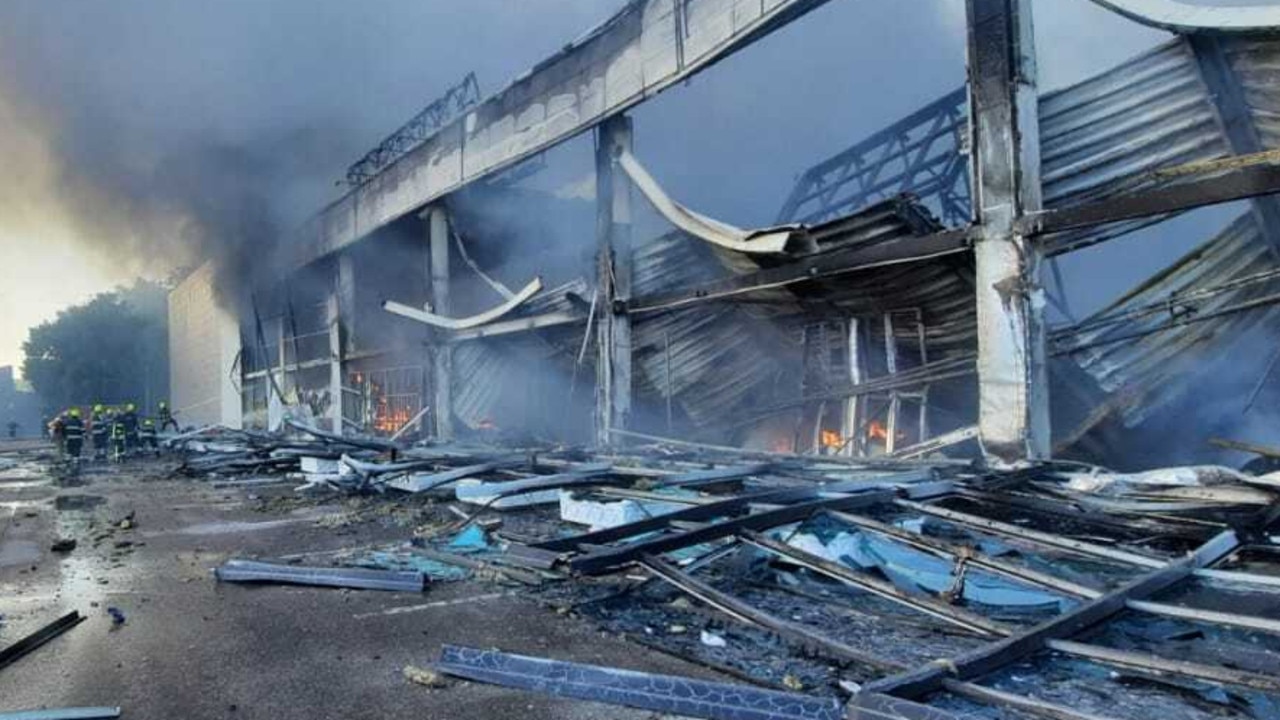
863,323
863,407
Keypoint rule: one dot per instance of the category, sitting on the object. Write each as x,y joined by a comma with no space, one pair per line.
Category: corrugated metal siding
1257,64
1103,136
1154,371
722,358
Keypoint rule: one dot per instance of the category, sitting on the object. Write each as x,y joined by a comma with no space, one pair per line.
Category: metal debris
660,693
251,571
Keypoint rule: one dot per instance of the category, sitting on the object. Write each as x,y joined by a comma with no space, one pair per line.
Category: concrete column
1005,141
335,361
613,226
346,291
275,403
441,351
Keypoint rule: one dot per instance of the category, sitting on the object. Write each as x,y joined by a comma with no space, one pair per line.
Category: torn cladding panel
76,713
660,693
250,571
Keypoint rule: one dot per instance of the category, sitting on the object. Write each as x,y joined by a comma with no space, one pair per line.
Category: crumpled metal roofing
1103,137
1257,64
1149,373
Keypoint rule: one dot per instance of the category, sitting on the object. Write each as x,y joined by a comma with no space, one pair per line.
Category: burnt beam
1240,183
994,656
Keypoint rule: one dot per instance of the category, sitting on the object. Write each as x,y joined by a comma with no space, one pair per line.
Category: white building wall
204,340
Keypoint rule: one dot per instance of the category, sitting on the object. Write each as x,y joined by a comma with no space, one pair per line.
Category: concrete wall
204,340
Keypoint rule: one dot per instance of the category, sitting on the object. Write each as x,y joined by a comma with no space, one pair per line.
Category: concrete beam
441,351
613,227
1004,128
647,47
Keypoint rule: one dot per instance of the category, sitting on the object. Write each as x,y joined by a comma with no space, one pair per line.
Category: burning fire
389,421
877,431
831,439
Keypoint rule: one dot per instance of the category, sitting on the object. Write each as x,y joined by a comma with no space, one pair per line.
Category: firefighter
117,438
147,436
100,429
56,426
73,432
130,420
166,418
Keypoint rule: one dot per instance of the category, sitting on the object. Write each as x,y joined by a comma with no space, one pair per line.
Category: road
191,648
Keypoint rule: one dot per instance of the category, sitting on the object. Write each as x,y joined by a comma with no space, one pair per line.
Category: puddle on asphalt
19,552
23,473
77,502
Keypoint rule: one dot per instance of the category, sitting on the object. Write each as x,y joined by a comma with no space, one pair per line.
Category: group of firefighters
116,431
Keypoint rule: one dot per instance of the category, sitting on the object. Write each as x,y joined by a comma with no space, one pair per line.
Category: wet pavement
190,648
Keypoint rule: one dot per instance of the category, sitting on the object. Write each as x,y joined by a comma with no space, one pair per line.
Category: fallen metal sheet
994,656
957,616
1182,16
251,571
736,608
660,693
611,558
912,570
710,477
33,641
770,241
996,527
419,482
466,323
76,713
530,491
373,468
697,513
1145,661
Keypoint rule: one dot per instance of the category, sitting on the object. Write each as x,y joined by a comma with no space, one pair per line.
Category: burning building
898,306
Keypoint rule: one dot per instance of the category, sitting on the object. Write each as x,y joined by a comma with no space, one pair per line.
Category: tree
112,349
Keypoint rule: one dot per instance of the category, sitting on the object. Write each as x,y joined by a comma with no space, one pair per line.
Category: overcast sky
116,118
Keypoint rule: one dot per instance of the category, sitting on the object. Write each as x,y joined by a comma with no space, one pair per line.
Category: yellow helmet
130,407
74,412
97,409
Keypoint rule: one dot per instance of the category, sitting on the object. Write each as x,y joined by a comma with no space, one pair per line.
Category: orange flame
832,439
877,431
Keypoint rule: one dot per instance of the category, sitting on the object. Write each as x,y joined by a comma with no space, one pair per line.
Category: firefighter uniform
73,432
56,427
117,439
130,420
147,436
166,418
100,429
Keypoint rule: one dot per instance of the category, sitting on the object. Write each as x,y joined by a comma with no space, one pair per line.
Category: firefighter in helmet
166,417
73,433
100,430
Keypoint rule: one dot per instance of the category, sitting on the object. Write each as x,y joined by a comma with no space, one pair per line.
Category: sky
138,135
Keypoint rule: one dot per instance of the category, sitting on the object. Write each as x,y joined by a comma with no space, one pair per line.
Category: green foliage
112,349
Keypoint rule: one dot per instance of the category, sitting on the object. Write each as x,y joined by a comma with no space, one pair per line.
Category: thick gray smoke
172,133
